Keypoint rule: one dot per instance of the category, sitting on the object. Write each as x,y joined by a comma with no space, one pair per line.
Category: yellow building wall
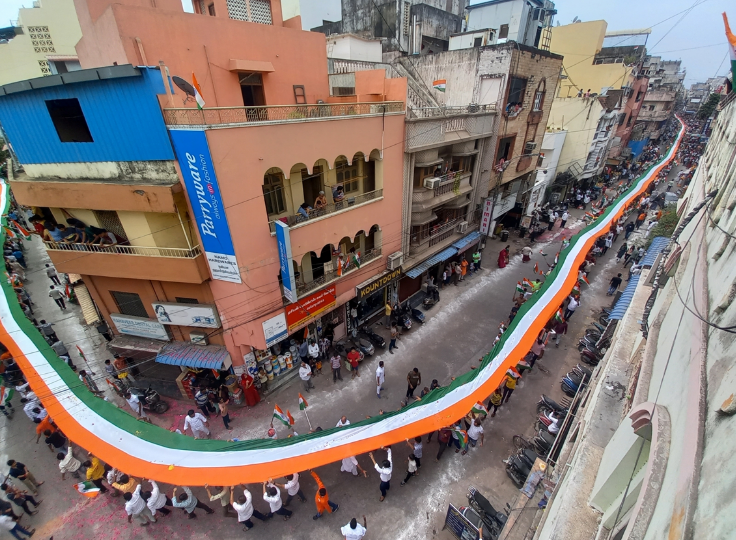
579,43
19,60
166,230
579,117
137,229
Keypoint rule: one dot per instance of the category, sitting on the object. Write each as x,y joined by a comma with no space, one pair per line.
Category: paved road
458,332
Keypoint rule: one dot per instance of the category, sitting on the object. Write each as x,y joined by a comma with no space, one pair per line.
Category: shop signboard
309,308
275,329
460,526
485,218
198,172
283,239
139,326
366,289
199,315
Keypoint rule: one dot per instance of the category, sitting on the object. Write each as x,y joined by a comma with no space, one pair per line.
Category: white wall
346,47
513,13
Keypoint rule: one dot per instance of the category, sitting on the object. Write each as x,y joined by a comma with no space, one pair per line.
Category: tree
707,108
665,226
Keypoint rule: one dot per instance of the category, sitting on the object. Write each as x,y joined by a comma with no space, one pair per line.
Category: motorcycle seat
548,437
484,504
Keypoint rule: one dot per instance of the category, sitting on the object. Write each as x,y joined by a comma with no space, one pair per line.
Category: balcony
428,127
302,289
450,186
440,237
348,203
142,262
277,114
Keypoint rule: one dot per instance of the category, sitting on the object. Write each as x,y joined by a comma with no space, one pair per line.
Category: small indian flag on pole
462,436
9,232
440,84
558,316
286,419
197,92
585,279
25,233
536,269
479,408
519,287
302,403
731,46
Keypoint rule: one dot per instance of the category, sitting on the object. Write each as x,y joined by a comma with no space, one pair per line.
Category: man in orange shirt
322,499
463,269
45,424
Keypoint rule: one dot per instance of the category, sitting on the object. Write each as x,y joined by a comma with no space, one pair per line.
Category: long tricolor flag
25,233
479,408
731,46
197,92
302,403
286,419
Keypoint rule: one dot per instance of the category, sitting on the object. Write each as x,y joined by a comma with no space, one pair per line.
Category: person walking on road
411,469
354,530
629,229
508,388
614,285
21,498
95,472
559,329
475,433
305,374
571,307
394,337
156,500
443,438
322,499
565,217
292,487
494,401
7,523
336,363
47,331
414,379
416,448
58,297
354,359
380,378
476,259
202,400
244,508
384,470
136,508
20,472
188,502
52,275
196,423
225,412
224,497
272,496
351,465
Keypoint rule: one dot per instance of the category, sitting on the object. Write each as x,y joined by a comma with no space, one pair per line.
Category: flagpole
308,422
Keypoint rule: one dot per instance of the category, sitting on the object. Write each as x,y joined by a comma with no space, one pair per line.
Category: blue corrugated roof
464,243
429,263
180,353
657,245
623,303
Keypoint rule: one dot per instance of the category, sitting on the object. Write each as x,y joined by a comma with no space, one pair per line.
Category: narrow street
457,333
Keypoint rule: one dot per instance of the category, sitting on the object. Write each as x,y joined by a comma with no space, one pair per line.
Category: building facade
665,91
526,23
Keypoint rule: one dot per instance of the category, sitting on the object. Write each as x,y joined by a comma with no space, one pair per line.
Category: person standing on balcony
320,203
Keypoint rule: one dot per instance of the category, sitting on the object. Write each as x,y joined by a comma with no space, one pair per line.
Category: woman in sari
252,397
503,257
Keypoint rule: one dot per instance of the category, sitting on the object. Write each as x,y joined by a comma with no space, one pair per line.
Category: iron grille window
110,221
273,193
129,304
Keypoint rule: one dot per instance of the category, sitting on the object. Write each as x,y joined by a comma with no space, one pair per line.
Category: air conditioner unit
198,338
530,147
395,260
431,183
462,227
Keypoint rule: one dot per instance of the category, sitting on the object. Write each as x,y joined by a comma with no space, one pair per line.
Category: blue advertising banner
287,269
200,181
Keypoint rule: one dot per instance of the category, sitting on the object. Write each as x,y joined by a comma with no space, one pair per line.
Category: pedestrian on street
614,285
305,374
495,401
526,254
380,378
456,270
351,465
475,433
336,363
559,328
202,400
95,472
304,351
89,382
20,498
417,449
125,483
137,407
47,331
197,424
508,388
629,229
225,412
68,463
313,352
224,497
411,468
354,316
343,421
136,508
384,470
104,330
565,217
608,243
354,530
639,220
292,487
443,438
394,337
188,502
55,441
572,305
414,379
244,508
58,297
20,473
156,500
272,496
354,359
388,314
7,523
537,351
322,499
476,259
621,252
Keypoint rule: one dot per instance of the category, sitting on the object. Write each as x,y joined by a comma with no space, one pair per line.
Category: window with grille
187,300
110,221
200,3
503,32
41,39
273,193
539,95
257,11
347,175
406,18
343,90
129,304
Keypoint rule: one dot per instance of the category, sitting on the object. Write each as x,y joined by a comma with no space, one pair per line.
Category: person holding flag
731,46
474,433
459,437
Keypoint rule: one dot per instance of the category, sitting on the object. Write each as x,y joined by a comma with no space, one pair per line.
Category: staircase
418,95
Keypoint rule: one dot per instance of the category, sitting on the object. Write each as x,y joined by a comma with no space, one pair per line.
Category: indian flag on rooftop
197,92
440,84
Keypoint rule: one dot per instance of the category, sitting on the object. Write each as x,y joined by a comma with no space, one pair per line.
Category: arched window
539,95
273,191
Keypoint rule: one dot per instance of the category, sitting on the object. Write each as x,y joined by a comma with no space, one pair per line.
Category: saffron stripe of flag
479,408
278,414
536,269
302,402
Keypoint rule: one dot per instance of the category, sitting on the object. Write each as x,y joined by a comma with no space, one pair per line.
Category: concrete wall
349,47
18,59
513,13
579,116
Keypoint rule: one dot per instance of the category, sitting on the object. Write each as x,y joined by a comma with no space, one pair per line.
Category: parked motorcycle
403,321
543,442
363,345
590,357
377,340
518,466
417,315
493,520
150,399
546,403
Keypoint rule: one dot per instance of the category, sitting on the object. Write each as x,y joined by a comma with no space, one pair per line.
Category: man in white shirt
380,378
474,433
305,374
343,421
351,465
7,523
354,530
137,407
196,424
244,508
313,350
156,500
292,488
571,307
272,495
384,470
565,217
68,463
136,508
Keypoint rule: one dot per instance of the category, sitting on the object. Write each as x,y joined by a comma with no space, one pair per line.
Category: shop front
372,296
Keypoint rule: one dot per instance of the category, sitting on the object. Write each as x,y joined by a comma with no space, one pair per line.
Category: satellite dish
183,85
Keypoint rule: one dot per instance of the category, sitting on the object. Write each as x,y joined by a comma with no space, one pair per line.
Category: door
251,88
312,185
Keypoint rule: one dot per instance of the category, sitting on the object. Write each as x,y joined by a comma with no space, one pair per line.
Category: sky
697,39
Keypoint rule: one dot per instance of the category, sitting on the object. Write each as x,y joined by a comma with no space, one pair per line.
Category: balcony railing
450,182
276,113
327,277
348,202
144,251
440,233
436,112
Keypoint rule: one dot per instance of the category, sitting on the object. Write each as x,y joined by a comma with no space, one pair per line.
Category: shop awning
623,302
464,243
429,263
655,248
89,311
182,353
